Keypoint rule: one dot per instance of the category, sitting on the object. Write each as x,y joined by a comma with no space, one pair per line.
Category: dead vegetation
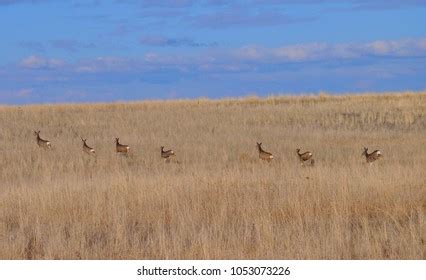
221,201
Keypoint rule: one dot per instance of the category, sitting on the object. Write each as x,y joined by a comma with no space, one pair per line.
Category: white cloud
251,52
38,62
24,92
410,47
244,59
322,51
104,64
300,52
16,93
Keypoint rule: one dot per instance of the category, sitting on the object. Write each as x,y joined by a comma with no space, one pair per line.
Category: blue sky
102,51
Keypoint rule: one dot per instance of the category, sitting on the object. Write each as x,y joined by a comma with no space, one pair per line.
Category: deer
41,142
373,156
86,148
166,154
120,148
264,155
304,157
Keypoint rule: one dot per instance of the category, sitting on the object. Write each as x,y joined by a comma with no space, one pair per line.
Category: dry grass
220,202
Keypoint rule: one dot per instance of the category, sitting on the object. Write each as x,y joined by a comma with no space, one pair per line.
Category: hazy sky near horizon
95,50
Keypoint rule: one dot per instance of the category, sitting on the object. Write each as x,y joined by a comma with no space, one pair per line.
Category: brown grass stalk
217,200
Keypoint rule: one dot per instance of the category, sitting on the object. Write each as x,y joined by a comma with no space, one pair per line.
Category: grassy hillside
217,200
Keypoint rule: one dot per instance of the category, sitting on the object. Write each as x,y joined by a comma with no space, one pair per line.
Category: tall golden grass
220,201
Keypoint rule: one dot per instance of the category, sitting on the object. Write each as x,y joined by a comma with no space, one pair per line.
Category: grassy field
219,201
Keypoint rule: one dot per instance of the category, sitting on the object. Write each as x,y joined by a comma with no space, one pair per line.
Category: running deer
304,157
86,148
166,154
41,142
372,156
120,148
264,155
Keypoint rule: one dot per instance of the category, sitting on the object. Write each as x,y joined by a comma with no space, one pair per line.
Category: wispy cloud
16,95
245,58
244,17
337,67
161,41
120,30
38,62
24,92
167,3
348,5
105,64
70,45
87,4
215,14
187,3
33,46
385,4
323,51
11,2
162,3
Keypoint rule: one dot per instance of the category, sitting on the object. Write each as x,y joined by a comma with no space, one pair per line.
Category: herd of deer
305,157
119,148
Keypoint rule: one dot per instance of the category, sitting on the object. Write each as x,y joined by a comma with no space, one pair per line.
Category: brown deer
120,148
86,148
373,156
264,155
166,154
41,142
304,157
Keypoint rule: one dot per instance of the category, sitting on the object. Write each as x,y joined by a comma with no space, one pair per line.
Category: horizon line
319,94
